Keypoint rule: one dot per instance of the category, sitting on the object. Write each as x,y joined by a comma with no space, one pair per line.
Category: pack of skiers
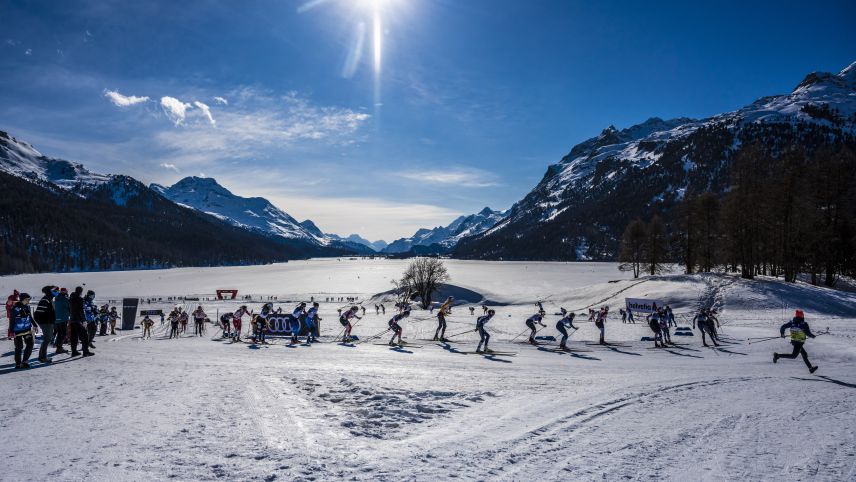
74,318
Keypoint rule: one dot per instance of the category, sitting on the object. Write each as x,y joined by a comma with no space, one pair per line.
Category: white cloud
28,52
256,124
175,109
466,177
221,100
170,166
120,100
206,111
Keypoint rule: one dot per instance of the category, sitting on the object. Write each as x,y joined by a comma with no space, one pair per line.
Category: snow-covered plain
199,408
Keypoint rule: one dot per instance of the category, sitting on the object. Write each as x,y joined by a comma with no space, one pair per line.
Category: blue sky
469,103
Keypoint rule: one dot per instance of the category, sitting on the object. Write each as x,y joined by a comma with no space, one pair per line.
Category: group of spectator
60,318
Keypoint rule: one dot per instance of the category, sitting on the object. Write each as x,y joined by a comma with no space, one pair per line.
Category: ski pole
521,334
768,339
462,333
374,337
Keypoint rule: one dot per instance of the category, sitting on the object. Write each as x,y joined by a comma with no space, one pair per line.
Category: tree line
787,211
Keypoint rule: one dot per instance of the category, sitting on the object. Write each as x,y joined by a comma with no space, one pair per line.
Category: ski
403,345
567,350
490,353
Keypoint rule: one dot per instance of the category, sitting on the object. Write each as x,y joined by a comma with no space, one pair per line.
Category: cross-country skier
395,327
260,323
654,324
345,320
225,320
799,331
530,322
664,325
184,319
237,321
147,327
103,319
376,309
705,325
312,320
174,320
198,321
600,323
484,336
114,317
298,315
472,310
623,315
670,316
562,325
445,308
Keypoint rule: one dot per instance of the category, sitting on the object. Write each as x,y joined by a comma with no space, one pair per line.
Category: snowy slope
21,159
654,163
448,236
198,408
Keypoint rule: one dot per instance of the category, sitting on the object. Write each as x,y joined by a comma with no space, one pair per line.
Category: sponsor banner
640,305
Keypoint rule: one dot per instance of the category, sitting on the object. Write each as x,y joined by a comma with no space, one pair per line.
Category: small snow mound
461,295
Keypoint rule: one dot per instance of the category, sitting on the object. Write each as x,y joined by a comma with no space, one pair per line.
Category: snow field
200,408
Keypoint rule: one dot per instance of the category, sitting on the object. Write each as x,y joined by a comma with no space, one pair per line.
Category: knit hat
24,296
63,291
799,314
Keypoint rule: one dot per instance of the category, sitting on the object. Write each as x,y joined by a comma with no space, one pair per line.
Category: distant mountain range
257,214
56,215
441,239
583,203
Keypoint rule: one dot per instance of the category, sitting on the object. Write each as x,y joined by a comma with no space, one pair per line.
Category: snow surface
199,408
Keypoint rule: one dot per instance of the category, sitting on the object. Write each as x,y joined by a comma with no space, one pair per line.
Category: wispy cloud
175,109
221,100
120,100
466,177
257,123
206,111
170,166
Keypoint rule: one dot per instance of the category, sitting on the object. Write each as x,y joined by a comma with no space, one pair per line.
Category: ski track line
550,440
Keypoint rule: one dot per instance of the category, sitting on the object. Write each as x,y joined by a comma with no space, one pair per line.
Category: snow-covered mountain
377,246
584,201
254,213
20,159
448,236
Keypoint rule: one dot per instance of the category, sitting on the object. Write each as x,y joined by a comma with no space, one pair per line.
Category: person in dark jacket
77,324
799,331
10,304
45,317
62,312
90,313
21,326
